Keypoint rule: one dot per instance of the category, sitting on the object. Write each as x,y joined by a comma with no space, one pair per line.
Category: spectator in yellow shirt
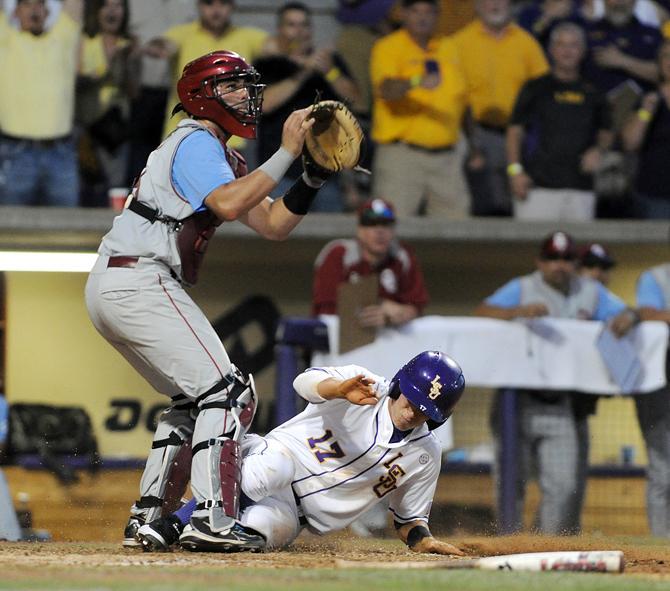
497,57
419,101
37,79
212,31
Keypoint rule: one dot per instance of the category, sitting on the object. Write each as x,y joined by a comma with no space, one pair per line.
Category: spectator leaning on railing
653,409
552,425
37,87
595,262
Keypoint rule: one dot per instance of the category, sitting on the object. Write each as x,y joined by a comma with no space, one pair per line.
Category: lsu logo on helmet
435,388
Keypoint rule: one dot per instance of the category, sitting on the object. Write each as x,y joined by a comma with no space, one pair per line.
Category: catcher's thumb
307,124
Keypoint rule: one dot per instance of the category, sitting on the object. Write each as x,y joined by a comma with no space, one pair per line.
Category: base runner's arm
357,390
318,385
418,538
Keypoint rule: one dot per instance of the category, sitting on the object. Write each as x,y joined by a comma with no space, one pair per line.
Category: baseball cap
376,212
596,255
558,245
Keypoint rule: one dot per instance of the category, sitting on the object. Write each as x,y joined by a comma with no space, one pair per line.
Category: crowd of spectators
465,102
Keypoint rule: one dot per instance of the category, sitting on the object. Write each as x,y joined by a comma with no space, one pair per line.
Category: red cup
117,197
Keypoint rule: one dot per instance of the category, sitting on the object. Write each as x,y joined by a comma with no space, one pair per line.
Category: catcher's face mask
241,96
221,87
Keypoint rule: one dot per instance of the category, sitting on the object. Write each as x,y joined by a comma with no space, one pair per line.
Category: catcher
360,440
136,295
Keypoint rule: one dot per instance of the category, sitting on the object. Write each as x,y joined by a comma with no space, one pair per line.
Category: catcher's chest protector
197,230
192,242
176,235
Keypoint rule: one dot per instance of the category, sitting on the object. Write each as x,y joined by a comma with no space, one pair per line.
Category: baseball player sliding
135,293
360,439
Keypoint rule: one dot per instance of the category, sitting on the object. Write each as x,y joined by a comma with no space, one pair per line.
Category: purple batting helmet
431,381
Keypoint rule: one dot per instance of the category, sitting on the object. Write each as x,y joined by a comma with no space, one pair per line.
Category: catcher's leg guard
168,466
226,412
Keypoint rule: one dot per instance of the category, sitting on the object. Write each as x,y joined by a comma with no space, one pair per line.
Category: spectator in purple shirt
622,48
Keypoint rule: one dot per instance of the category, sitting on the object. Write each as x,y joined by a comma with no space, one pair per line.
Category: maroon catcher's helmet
200,97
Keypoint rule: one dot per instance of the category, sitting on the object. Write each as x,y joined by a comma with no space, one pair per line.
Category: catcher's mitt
335,140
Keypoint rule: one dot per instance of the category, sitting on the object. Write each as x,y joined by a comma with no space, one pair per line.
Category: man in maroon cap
374,251
552,425
595,262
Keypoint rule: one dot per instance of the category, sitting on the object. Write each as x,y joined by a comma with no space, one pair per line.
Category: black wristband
298,199
416,534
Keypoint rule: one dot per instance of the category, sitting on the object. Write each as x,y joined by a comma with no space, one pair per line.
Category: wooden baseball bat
603,561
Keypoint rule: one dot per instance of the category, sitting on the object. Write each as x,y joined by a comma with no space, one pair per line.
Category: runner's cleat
198,537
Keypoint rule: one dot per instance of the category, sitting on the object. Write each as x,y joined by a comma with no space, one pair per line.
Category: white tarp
543,353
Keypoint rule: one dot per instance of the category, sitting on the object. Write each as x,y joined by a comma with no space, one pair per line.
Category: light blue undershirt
199,167
649,293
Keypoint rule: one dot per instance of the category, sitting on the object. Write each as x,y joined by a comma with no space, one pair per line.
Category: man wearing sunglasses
552,425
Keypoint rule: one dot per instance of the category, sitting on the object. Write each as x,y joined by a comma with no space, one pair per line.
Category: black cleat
197,537
160,534
130,533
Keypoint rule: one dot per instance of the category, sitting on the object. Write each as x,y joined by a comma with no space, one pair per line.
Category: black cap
596,255
558,245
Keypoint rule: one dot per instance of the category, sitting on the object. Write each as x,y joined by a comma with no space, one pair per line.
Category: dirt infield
643,556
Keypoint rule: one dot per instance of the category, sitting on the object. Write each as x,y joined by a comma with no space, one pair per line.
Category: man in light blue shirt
653,409
553,428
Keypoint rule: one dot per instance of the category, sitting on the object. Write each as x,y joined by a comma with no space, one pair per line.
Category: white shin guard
168,466
225,415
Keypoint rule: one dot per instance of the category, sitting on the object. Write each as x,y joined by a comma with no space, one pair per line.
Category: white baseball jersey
344,461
